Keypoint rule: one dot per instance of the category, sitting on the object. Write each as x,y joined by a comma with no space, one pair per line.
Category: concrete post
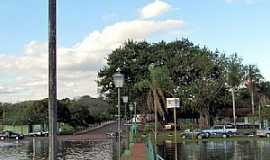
52,101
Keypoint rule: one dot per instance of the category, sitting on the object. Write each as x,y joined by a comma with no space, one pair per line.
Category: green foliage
149,127
176,69
67,129
235,71
76,112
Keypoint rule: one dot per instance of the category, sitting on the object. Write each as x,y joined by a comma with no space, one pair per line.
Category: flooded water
68,150
218,150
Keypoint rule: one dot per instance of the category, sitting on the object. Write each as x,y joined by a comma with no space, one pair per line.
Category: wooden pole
52,101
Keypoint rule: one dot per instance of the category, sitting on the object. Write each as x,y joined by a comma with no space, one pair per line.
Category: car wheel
208,134
199,136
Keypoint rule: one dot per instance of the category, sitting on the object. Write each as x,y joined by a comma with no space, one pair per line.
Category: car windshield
218,127
230,127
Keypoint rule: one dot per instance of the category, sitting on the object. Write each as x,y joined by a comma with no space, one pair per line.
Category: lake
68,150
253,149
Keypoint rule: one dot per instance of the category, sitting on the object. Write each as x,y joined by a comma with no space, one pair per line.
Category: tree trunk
252,101
233,99
204,118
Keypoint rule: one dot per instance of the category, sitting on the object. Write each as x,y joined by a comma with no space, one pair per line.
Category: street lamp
118,80
135,111
131,109
125,100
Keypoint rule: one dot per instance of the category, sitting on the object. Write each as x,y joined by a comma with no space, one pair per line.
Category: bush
67,129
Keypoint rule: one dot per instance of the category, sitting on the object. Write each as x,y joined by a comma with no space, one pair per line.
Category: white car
263,132
220,130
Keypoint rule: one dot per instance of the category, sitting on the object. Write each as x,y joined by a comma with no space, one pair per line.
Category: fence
94,127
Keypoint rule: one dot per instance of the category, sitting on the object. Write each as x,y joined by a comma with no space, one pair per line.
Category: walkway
139,152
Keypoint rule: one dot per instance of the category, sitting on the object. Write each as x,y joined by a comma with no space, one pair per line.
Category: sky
87,31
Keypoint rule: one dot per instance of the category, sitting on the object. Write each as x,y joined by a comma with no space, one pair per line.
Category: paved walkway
139,152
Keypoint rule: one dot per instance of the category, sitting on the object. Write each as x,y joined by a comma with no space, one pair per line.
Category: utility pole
52,101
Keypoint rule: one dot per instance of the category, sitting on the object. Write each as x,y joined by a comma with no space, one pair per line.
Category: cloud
77,65
154,9
245,1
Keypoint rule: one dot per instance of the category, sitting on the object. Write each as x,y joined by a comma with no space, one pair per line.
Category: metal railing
158,157
151,153
94,127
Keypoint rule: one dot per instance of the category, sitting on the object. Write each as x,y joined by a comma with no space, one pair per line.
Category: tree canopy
79,112
155,71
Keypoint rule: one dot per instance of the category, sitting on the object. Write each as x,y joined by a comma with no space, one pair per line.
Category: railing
151,152
94,127
150,149
159,157
147,140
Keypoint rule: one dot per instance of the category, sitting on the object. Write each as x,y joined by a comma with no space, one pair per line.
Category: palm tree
157,85
235,76
253,77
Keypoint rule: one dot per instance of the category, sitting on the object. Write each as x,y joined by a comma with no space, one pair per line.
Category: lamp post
118,80
131,110
135,111
125,100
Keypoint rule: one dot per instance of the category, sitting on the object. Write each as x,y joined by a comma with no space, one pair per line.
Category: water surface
68,150
218,150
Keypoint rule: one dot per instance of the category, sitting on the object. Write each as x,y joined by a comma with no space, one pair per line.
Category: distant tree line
79,112
201,78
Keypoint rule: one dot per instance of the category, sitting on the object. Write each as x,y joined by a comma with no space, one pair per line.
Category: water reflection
68,150
218,150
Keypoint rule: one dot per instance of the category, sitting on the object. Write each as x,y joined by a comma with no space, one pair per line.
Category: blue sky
240,26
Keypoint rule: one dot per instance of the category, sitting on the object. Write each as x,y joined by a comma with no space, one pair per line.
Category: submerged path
139,152
103,131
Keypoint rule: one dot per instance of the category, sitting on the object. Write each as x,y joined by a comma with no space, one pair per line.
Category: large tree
193,71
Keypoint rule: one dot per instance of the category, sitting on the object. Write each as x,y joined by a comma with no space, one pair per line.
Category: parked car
38,133
45,133
10,134
226,130
263,132
169,126
194,133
